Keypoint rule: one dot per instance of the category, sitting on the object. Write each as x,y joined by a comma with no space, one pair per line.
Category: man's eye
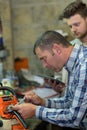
77,24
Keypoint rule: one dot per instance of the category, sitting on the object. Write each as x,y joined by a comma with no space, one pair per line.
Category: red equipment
6,114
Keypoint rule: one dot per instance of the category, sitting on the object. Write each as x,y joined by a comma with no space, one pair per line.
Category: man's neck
84,40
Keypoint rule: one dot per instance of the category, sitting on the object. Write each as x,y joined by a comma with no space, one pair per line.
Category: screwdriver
21,100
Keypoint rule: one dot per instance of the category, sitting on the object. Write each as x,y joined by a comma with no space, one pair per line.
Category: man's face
78,26
49,59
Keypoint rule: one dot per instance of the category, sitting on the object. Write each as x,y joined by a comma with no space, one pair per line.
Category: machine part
20,119
9,108
6,112
8,124
1,123
21,100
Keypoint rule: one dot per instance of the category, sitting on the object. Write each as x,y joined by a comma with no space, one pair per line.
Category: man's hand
33,98
26,110
54,84
58,87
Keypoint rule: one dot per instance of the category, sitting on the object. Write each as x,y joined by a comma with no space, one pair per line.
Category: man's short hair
77,7
48,38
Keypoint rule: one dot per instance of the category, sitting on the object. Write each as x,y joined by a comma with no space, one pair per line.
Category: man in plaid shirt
55,52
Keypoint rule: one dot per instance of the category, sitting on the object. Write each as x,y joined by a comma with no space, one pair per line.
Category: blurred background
23,21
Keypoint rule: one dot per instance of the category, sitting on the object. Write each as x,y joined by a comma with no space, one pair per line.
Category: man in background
76,17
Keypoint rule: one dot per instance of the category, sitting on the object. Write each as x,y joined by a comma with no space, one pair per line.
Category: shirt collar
73,57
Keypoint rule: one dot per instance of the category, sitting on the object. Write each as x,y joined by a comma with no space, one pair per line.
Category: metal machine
10,119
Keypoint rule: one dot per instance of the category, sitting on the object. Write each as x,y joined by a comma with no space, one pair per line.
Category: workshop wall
24,21
5,16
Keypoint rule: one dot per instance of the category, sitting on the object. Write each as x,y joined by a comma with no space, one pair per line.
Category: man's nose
45,65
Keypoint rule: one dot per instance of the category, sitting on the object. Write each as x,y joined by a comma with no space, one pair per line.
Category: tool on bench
9,115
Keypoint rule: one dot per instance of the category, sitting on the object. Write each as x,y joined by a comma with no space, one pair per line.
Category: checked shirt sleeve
69,110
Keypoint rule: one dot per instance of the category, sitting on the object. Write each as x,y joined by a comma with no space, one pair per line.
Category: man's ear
56,48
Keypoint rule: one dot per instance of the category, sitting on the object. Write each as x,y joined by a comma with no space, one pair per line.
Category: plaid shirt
70,110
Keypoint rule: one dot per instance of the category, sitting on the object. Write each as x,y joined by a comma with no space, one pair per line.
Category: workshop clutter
21,63
10,79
